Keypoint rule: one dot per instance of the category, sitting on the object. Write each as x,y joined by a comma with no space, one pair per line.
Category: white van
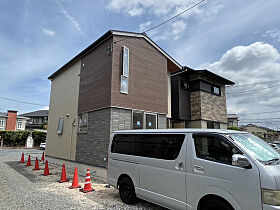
195,169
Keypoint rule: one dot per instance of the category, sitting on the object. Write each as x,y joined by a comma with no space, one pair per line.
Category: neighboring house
263,132
121,81
232,120
198,99
11,121
36,119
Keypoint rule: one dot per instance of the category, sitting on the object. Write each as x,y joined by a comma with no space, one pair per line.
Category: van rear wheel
214,204
127,191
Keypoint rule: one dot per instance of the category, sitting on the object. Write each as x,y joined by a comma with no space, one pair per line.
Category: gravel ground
23,188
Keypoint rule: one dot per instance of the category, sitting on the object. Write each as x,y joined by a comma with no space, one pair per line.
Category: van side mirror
241,161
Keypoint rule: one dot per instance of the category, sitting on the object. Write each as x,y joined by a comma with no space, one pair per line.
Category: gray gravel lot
23,188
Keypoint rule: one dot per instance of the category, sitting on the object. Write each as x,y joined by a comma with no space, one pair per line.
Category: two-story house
11,121
121,81
36,119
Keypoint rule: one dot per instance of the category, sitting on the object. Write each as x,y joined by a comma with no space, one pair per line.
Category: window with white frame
1,123
125,70
19,124
125,62
83,123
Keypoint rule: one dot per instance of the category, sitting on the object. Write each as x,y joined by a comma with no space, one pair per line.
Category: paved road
23,188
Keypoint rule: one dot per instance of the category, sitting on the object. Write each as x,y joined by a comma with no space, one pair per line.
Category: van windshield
256,147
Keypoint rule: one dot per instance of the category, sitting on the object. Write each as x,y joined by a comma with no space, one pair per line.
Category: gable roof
39,113
103,38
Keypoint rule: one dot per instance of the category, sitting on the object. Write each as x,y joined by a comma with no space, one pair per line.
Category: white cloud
45,108
69,17
174,31
162,10
256,63
144,26
48,32
154,7
273,33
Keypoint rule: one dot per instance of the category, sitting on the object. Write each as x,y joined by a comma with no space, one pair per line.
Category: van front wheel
214,204
127,191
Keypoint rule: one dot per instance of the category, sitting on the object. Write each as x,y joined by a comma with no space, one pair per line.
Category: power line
152,28
260,122
255,83
259,113
249,91
276,118
23,102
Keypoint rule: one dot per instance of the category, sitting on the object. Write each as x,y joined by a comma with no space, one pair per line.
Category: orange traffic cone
22,158
75,183
63,175
87,187
43,157
36,165
29,161
46,171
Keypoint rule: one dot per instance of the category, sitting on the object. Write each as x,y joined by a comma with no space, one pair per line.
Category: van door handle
198,169
179,166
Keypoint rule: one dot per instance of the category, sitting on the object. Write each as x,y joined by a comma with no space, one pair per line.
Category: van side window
214,148
169,146
161,146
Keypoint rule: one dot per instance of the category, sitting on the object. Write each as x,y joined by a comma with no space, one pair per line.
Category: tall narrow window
60,126
124,84
125,62
125,70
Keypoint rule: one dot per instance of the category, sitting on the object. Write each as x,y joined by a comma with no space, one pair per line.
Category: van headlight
271,197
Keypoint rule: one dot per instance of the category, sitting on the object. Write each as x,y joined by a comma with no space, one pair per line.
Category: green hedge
18,138
38,137
233,128
14,138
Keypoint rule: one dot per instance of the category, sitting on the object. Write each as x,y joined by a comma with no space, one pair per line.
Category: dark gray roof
3,114
39,113
188,70
232,116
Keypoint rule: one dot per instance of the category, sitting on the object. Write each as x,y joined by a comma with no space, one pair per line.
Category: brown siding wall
95,81
147,89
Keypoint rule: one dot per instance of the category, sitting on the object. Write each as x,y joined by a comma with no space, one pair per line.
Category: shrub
38,137
233,128
14,138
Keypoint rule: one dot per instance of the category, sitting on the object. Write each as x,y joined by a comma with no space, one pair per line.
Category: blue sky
236,39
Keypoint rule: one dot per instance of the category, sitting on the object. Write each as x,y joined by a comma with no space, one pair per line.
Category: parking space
23,188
